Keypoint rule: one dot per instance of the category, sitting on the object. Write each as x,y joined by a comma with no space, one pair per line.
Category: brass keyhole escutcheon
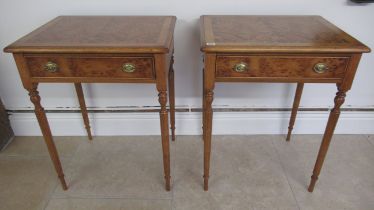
128,67
241,67
51,67
320,68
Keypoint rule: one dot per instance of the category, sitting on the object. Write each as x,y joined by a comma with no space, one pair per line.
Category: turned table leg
161,85
46,131
82,104
208,116
162,98
331,124
209,75
172,99
295,107
203,109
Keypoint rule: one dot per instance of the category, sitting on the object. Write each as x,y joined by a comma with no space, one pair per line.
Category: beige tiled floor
247,172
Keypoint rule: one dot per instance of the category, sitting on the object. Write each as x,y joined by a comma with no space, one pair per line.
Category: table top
288,34
99,34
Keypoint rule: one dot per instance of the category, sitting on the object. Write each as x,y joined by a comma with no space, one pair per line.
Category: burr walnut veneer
97,49
292,49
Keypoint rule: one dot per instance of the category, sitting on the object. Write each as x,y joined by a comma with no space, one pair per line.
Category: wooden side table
292,49
99,49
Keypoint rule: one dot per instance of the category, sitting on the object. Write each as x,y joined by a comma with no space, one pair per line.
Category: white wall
18,17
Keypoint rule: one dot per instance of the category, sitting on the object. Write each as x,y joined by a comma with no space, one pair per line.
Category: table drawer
281,67
103,67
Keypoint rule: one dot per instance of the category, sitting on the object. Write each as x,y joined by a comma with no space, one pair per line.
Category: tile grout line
50,195
75,197
367,139
285,173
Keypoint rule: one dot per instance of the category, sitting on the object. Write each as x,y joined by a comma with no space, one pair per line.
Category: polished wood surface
100,34
281,67
293,49
91,49
285,34
79,66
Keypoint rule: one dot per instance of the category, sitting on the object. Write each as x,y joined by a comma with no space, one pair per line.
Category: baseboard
189,123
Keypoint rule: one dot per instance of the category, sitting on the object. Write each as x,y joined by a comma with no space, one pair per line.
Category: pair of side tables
139,49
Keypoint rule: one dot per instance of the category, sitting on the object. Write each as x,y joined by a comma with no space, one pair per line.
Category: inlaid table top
99,34
291,34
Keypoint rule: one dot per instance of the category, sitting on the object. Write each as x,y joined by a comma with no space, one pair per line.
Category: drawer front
49,66
281,67
103,67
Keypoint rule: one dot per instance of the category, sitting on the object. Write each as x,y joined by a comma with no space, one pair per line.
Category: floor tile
120,167
209,201
108,204
35,146
346,180
26,183
245,172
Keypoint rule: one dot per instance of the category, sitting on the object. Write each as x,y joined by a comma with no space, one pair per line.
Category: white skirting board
189,123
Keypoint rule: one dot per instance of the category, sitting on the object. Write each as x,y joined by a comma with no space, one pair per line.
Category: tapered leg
331,124
46,131
207,134
295,107
82,104
172,99
162,98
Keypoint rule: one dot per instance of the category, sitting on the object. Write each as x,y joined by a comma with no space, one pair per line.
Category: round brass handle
320,68
240,67
51,67
128,67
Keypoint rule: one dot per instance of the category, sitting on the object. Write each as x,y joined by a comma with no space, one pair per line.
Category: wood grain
280,34
99,34
93,67
281,66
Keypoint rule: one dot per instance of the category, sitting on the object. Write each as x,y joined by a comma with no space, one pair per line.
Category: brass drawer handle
51,67
241,67
320,68
128,67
